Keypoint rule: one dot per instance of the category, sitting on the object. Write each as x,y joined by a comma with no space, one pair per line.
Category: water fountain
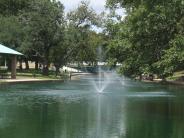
103,79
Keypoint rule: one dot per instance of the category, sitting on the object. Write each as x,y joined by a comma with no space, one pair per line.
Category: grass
37,74
31,73
177,76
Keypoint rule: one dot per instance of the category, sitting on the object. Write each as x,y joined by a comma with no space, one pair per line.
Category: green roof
6,50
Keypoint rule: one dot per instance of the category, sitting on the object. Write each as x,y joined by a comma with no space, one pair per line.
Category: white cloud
97,5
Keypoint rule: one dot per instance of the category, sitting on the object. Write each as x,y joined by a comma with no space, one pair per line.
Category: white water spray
105,77
102,80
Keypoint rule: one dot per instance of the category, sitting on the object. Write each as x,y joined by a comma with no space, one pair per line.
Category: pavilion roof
6,50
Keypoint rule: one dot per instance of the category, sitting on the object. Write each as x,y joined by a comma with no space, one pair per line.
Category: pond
73,109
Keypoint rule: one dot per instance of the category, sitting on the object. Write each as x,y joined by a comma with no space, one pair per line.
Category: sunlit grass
177,75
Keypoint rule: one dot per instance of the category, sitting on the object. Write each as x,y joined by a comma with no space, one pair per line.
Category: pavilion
7,51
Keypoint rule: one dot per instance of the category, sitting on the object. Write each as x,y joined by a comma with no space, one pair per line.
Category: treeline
45,34
150,40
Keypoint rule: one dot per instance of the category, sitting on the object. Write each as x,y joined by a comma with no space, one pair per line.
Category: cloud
97,5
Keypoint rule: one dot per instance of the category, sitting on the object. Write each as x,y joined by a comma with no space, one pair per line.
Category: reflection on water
75,110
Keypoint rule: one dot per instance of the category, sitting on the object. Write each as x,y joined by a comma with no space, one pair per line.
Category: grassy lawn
177,75
38,74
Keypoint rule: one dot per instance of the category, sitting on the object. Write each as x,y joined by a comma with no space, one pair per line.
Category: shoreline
45,80
28,80
25,80
167,82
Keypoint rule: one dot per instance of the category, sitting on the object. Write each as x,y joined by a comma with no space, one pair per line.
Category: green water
74,110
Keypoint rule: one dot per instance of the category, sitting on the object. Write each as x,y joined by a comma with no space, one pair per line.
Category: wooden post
13,66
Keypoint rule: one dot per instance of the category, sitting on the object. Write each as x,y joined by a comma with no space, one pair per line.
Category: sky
97,5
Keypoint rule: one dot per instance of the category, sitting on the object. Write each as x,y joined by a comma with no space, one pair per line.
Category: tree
13,7
12,32
80,34
43,23
152,26
60,55
173,59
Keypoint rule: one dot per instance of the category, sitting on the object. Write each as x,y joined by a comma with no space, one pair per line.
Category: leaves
152,30
82,41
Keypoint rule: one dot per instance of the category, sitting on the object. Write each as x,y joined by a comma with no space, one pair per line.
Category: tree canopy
149,40
46,35
151,35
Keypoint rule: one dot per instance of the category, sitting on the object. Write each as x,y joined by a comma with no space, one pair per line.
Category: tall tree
43,23
13,7
152,26
80,24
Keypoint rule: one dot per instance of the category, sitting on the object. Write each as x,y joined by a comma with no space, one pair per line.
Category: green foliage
44,25
173,59
13,7
10,31
40,30
151,35
82,41
83,16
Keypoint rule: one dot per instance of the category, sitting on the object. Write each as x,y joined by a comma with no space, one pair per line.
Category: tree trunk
45,70
57,70
140,76
27,64
20,66
36,65
163,79
46,63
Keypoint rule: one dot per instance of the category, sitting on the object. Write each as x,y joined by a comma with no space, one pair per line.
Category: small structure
7,51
